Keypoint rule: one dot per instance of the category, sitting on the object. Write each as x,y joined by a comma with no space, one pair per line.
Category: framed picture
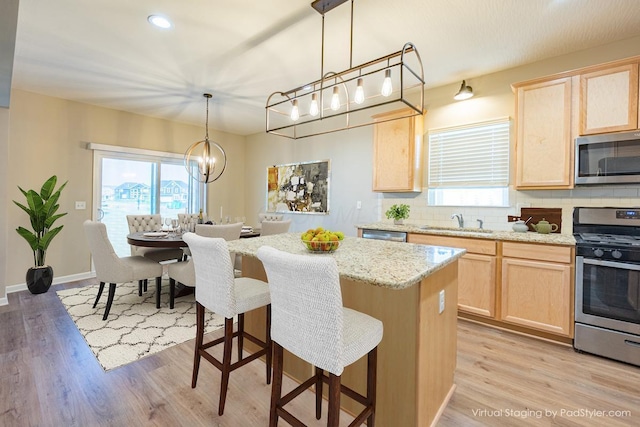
299,187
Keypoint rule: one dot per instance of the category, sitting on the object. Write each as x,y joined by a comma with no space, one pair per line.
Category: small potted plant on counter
41,208
399,213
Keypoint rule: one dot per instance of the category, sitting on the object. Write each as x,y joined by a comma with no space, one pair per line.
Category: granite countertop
393,265
507,236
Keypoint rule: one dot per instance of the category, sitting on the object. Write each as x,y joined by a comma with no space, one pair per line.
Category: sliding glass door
141,183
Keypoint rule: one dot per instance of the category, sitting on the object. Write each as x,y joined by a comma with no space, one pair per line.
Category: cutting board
553,215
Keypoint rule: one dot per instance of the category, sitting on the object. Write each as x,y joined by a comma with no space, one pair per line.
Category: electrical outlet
441,308
81,205
358,204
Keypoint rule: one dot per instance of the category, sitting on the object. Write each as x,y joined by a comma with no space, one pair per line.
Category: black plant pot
39,279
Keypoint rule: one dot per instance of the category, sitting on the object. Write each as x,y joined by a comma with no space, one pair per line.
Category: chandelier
205,160
351,98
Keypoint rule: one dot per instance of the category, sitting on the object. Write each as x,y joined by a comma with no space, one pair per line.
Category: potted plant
41,208
399,213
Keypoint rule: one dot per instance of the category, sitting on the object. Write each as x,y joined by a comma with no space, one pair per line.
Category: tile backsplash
496,218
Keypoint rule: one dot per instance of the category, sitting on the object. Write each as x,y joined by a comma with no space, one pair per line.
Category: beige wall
48,136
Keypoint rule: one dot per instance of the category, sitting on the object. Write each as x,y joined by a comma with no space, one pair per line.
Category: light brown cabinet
476,271
544,154
397,153
537,287
552,111
609,99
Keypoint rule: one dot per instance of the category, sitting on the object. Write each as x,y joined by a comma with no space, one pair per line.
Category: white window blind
475,155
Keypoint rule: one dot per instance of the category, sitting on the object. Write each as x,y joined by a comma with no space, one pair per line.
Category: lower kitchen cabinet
537,287
476,272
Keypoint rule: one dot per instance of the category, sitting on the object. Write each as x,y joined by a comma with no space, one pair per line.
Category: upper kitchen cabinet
544,148
397,153
609,99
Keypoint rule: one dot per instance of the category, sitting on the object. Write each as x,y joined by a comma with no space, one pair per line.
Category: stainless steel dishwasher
394,236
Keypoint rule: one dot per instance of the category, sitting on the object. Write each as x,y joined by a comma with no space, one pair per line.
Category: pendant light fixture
350,98
465,92
205,160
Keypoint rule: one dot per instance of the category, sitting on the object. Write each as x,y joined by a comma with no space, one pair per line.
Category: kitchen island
399,284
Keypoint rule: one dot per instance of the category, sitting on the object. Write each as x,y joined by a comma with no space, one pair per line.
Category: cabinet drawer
562,254
474,246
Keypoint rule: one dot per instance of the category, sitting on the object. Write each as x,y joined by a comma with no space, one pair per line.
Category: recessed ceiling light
159,21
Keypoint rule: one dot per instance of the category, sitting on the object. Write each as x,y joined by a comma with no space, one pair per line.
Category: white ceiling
104,52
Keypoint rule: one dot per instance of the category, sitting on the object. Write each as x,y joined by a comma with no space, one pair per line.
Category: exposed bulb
387,88
359,97
295,112
313,109
335,99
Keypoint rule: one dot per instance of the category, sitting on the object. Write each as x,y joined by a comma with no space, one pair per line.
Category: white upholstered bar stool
183,272
217,290
310,322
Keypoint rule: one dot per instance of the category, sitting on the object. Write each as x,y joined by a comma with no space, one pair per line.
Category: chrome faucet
480,222
459,218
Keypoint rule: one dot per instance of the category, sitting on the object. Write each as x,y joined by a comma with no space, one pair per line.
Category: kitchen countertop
507,236
393,265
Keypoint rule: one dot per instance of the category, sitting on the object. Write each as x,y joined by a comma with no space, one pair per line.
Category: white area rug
135,327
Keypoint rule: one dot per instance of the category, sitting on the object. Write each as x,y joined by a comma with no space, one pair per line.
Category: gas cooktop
610,239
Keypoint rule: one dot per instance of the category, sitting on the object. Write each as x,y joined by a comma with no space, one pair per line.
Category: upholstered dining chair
269,216
144,223
268,228
217,290
310,322
112,269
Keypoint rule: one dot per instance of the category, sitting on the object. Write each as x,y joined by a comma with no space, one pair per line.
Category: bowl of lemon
320,240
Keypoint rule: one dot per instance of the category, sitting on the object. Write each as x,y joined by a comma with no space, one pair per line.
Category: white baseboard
56,281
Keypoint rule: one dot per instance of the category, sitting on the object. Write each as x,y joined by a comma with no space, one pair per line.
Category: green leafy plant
41,208
398,212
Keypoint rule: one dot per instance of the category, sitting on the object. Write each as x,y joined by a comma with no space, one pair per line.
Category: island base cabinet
537,295
417,355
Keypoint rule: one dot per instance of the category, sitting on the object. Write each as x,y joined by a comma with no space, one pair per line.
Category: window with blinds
469,165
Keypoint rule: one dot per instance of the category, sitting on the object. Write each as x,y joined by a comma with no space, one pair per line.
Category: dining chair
219,291
146,223
274,227
225,231
269,216
310,322
112,269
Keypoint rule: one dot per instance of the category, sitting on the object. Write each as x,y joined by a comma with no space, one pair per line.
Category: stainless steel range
607,310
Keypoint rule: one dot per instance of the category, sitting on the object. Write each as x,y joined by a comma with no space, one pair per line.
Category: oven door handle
622,265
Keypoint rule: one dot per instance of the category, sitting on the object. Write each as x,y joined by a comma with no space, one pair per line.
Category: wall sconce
465,92
348,99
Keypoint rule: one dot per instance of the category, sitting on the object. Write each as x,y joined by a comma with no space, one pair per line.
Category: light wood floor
49,377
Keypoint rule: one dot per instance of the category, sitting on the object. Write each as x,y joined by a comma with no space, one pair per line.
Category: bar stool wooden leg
319,374
240,334
269,343
333,417
276,387
372,362
226,363
199,338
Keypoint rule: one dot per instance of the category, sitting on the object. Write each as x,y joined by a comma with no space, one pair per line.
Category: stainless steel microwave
612,158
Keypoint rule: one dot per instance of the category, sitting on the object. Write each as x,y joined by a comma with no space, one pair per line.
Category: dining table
168,239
